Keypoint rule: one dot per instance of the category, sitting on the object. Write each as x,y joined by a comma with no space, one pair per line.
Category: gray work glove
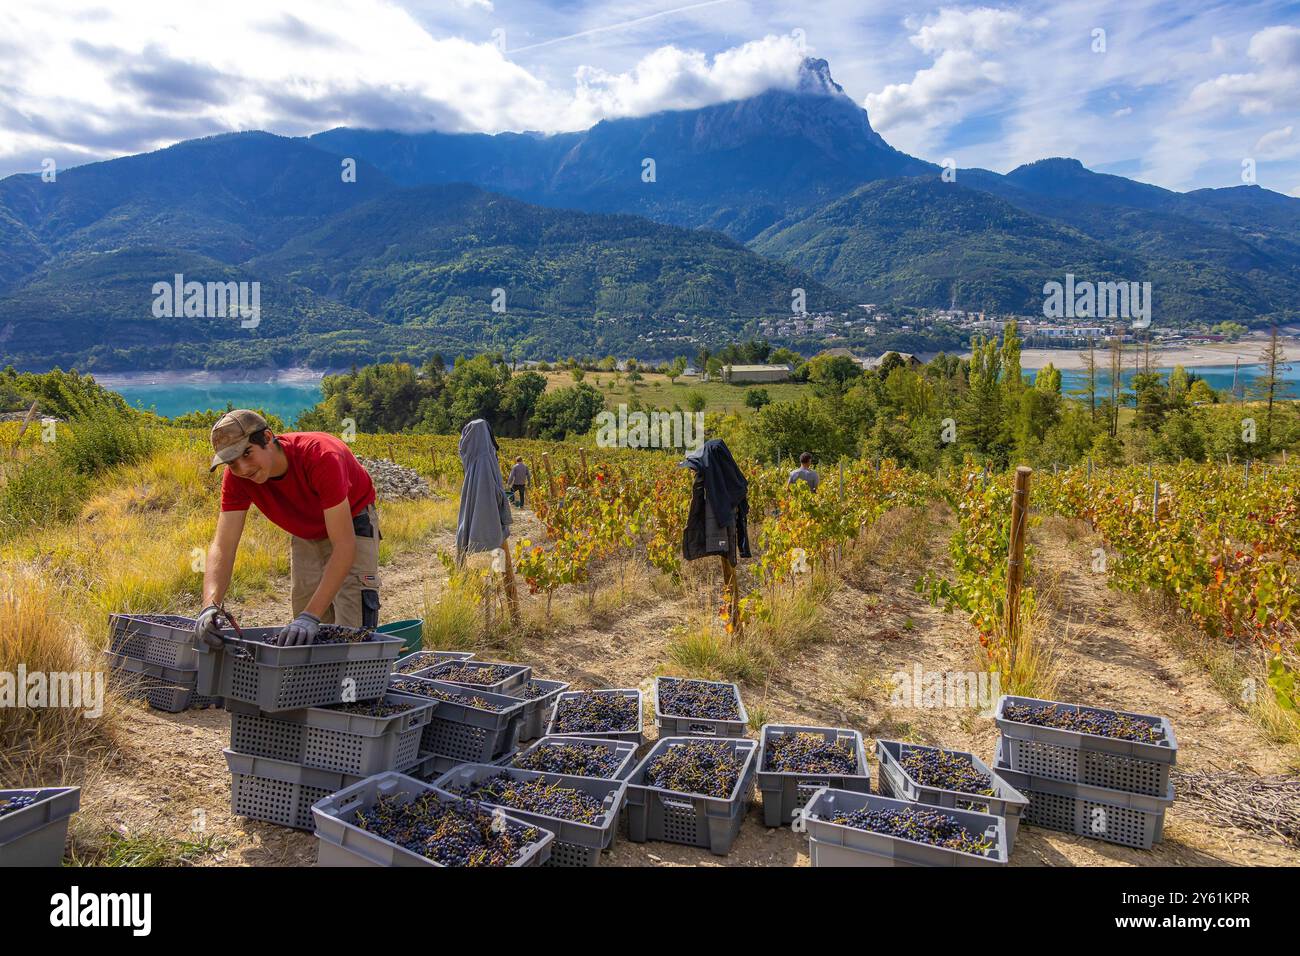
302,630
207,628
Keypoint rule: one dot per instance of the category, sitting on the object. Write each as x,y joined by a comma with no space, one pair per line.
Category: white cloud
963,44
1273,85
1275,142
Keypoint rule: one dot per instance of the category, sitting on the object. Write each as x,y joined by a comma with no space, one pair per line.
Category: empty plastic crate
278,791
784,792
693,819
537,710
470,734
341,843
1075,757
516,675
420,660
836,844
164,688
677,725
1006,801
35,834
290,678
576,844
636,734
1129,819
169,644
330,740
624,751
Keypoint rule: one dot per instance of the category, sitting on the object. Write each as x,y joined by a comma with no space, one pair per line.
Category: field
655,391
847,590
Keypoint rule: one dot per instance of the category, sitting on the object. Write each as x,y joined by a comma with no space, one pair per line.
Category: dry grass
48,745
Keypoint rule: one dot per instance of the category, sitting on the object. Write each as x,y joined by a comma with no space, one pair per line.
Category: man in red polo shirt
311,485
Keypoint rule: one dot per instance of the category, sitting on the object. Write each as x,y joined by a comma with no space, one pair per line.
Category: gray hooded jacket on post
484,510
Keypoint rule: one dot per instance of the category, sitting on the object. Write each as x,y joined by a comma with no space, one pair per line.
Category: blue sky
1177,94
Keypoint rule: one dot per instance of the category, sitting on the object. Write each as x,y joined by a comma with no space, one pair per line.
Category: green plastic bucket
411,632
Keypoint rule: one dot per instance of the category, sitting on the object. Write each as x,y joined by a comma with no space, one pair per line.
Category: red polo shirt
322,472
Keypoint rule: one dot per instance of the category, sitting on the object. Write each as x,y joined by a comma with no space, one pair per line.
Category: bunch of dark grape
597,760
535,796
451,833
1103,723
596,712
532,690
932,767
370,708
696,766
918,824
415,685
418,662
338,634
169,620
802,752
698,698
16,802
470,673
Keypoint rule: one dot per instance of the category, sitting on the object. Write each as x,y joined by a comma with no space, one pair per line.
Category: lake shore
1248,350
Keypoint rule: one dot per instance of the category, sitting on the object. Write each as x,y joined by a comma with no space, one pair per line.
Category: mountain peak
815,78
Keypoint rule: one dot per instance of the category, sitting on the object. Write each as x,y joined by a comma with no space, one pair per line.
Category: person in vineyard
805,473
518,479
311,485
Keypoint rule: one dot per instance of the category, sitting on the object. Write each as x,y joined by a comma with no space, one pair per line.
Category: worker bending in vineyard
805,473
311,485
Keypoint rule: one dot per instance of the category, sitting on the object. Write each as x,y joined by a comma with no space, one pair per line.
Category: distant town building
910,360
736,374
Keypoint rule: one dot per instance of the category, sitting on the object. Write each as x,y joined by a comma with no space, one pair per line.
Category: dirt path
1110,651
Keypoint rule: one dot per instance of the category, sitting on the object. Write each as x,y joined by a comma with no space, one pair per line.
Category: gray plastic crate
518,675
341,843
692,819
835,844
637,735
785,792
1129,819
537,710
329,740
675,725
35,835
278,791
171,645
290,678
471,734
164,688
421,660
894,781
624,750
1075,757
576,844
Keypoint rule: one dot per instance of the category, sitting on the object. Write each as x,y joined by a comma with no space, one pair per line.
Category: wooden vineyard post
550,478
392,455
731,583
1016,556
1155,502
582,453
512,594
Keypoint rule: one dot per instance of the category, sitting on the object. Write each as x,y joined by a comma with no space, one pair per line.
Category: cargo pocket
369,608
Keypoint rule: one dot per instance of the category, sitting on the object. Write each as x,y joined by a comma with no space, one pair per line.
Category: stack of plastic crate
151,657
469,724
1113,785
308,721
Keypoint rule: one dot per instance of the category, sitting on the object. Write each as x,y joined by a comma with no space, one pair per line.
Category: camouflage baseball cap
230,435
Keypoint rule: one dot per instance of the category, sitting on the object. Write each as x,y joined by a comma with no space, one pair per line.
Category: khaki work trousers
357,603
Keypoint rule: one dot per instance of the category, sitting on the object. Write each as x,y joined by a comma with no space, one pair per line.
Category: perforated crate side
537,711
467,743
785,792
866,848
1127,819
277,791
675,725
342,843
712,823
894,781
36,834
155,643
262,735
